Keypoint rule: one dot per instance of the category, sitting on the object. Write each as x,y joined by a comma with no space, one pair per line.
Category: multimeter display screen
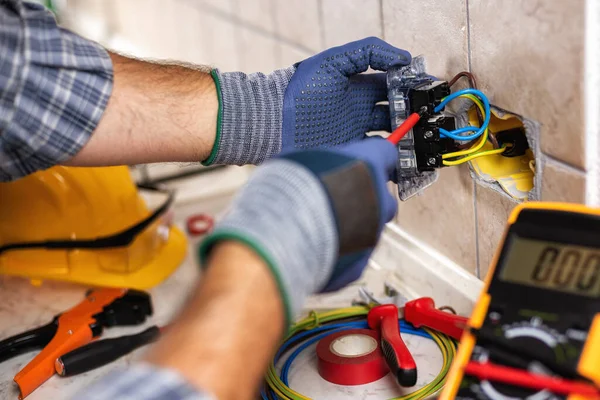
555,266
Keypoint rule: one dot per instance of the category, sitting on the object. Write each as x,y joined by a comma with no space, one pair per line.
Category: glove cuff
250,116
296,236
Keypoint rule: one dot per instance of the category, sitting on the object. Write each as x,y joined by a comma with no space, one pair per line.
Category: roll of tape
351,357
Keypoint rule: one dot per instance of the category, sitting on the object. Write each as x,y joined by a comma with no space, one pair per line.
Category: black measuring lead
102,352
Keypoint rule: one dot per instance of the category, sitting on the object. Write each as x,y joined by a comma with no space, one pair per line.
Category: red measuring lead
384,319
351,357
513,376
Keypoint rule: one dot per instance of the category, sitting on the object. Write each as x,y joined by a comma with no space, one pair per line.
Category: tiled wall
527,55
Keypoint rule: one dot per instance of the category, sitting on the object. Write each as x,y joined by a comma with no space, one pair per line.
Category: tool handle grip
422,312
403,129
102,352
33,339
397,355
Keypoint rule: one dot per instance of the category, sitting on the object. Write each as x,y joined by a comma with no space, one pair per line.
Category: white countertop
23,306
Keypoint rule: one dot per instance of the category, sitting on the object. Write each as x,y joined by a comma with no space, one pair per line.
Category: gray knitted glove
321,102
314,216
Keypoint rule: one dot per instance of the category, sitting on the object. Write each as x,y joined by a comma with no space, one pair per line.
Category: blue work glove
321,102
314,216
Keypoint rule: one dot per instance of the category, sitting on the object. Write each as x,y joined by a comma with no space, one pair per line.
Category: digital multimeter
541,298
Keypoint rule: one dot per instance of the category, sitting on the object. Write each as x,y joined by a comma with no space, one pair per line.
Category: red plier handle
397,355
422,312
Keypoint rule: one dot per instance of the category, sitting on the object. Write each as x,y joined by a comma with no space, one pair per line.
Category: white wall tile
562,183
290,55
257,52
221,42
298,22
191,44
350,20
436,29
528,57
225,6
259,13
443,217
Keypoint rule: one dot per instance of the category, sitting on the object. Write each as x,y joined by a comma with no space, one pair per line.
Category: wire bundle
463,156
318,325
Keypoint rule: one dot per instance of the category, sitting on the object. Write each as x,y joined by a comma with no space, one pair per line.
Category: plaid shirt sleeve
54,87
142,382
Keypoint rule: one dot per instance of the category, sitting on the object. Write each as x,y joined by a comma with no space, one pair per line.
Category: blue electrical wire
285,345
404,328
479,131
288,363
455,133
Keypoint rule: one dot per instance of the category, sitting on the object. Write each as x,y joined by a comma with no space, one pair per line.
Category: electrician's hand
322,102
314,216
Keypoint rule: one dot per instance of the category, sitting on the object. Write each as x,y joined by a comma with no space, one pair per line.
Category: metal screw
428,135
70,332
431,161
495,316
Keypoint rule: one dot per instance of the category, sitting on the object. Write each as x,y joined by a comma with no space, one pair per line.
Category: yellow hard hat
86,225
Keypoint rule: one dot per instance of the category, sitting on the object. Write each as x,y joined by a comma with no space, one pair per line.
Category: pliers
72,329
420,312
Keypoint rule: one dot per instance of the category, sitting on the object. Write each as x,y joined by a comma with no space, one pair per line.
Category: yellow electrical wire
484,137
532,166
476,155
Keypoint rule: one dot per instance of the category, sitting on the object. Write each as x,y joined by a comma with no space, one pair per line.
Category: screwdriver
102,352
406,126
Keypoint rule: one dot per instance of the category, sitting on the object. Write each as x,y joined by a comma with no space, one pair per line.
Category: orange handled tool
72,329
397,356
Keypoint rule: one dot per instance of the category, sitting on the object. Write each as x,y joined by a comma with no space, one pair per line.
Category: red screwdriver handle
403,129
422,312
397,355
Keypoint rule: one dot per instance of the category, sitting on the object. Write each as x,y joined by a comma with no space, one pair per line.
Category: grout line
475,209
563,164
321,24
468,37
381,25
237,37
477,257
592,102
205,7
278,52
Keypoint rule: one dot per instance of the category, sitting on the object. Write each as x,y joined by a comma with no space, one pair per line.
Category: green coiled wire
446,345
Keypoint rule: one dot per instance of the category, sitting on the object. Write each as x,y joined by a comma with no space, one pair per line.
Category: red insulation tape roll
199,224
351,357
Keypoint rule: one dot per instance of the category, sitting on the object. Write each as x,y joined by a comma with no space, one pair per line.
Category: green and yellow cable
446,345
313,320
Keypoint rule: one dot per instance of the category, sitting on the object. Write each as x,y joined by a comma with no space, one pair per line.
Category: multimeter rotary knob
534,333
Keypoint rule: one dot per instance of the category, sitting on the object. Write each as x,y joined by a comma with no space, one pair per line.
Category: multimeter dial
531,334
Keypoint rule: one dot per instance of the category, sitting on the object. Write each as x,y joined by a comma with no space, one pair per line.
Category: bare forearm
156,113
227,334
